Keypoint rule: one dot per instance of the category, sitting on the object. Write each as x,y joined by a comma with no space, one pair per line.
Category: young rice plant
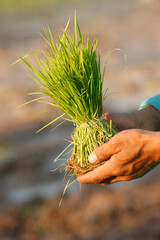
72,79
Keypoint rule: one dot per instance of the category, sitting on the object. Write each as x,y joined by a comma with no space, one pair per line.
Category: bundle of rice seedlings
71,77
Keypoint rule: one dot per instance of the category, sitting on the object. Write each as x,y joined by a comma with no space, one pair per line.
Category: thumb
103,152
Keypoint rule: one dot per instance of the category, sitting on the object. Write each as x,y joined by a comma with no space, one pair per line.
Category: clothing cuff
153,101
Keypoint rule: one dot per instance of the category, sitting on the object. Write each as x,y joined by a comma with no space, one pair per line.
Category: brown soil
128,214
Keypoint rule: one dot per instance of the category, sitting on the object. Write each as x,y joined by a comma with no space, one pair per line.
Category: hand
129,154
147,118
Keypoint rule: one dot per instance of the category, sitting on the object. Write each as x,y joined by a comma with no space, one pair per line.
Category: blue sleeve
153,101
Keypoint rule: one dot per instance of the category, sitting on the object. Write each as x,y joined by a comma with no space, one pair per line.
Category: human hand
147,118
128,155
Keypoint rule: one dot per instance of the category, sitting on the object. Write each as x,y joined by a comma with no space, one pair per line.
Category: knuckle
117,168
95,179
101,153
116,172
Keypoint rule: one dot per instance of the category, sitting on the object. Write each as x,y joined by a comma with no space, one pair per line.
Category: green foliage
71,77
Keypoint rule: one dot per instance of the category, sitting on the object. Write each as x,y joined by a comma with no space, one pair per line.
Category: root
87,137
75,167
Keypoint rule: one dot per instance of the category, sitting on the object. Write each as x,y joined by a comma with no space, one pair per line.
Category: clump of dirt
73,166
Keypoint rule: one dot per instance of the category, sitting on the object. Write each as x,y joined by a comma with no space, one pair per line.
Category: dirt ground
127,213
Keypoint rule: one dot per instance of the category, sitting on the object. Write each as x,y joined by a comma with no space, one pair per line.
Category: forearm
147,118
149,114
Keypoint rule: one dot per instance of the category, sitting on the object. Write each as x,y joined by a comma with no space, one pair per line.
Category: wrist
154,145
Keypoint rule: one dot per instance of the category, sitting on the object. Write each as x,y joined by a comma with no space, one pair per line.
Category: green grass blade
34,100
50,123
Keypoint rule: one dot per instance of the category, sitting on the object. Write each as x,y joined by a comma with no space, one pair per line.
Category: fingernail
93,158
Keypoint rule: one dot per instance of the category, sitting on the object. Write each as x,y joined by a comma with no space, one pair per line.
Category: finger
98,174
106,116
116,179
104,152
107,181
116,118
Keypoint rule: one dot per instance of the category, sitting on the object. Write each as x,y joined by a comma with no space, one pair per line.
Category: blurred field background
29,190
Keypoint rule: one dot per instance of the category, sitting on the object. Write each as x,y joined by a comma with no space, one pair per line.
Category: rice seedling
71,77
